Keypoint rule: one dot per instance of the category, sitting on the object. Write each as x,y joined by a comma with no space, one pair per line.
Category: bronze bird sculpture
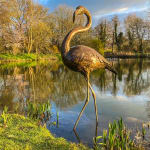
83,59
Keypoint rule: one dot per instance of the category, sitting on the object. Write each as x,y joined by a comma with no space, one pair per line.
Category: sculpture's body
81,58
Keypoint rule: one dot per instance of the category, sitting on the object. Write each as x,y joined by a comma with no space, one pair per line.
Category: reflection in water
125,95
69,88
41,83
132,73
148,108
94,138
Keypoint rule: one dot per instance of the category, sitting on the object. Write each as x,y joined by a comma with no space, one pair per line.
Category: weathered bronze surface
83,59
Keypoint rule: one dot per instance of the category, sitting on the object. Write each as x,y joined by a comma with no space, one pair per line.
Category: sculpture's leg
95,105
86,102
77,136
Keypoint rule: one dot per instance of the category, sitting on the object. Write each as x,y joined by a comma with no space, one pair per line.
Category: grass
27,57
20,133
118,137
27,60
9,65
38,111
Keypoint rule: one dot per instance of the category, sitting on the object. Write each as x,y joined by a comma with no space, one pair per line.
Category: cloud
102,8
122,9
121,98
119,12
121,6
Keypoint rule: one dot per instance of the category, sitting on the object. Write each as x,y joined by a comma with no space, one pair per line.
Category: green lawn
20,133
28,60
27,57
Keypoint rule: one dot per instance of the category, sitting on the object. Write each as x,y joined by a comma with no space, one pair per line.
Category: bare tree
104,32
23,25
136,29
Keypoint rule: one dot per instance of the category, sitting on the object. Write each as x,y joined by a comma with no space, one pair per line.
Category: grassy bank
28,60
27,57
18,133
9,65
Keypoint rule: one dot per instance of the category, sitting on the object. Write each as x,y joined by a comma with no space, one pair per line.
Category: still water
125,96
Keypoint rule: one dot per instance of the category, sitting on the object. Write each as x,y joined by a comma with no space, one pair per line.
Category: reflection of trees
69,87
137,78
65,87
6,97
41,83
114,80
10,87
104,80
99,79
61,85
119,68
132,73
148,108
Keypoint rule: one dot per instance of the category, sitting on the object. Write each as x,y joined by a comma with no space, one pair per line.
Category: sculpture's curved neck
66,42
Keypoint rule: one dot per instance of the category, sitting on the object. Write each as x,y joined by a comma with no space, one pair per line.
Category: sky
104,8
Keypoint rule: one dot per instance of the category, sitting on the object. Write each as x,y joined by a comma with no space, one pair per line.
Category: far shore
125,55
53,58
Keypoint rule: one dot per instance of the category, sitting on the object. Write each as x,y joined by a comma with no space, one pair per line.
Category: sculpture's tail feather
110,68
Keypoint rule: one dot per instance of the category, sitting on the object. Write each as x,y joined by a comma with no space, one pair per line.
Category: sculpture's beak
74,16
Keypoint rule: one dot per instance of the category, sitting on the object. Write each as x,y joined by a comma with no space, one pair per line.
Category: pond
125,96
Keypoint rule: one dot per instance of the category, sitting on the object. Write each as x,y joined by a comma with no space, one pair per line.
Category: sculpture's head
79,11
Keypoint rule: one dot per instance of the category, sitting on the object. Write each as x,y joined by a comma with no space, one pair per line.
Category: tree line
28,27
